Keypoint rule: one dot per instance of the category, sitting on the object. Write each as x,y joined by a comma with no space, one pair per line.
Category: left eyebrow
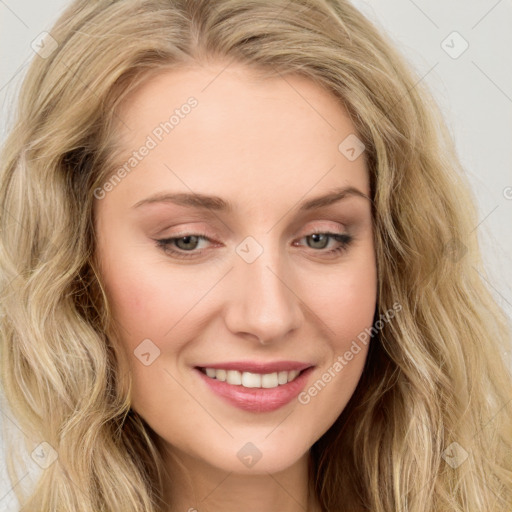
331,198
216,203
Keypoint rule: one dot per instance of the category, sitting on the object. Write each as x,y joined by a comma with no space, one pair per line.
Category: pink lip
257,399
258,367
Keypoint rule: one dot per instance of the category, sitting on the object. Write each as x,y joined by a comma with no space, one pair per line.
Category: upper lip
258,367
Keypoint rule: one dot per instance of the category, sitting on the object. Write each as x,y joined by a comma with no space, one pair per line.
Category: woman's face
233,168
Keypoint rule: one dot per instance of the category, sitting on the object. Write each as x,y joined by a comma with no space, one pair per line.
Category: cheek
150,302
345,299
346,303
351,308
148,299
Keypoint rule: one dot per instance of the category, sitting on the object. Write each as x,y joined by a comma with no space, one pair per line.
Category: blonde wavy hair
434,376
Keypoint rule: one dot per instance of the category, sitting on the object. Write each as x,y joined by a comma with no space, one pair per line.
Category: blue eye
185,246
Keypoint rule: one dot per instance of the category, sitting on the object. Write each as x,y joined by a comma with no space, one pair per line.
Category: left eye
189,243
322,239
185,243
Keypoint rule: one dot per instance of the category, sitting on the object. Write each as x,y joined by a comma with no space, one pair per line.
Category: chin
257,458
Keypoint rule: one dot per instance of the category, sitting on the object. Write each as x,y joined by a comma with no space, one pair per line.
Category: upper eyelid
317,226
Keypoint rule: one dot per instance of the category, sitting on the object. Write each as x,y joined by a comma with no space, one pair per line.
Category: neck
194,485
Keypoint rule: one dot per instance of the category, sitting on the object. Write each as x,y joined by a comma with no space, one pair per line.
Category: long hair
429,426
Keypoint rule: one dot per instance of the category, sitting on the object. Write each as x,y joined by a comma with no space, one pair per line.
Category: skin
265,145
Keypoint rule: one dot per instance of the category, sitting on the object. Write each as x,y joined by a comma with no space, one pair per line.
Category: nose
263,298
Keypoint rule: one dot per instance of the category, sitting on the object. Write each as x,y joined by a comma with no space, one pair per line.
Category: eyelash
164,244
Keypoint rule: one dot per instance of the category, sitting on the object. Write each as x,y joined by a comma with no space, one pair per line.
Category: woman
254,368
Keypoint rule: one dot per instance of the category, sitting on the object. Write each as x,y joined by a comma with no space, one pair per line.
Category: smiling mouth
252,380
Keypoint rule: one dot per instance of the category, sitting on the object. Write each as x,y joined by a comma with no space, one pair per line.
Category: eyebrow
202,201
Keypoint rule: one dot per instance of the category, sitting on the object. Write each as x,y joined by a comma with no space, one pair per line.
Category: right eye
186,243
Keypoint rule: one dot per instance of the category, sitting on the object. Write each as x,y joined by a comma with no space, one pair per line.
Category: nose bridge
264,303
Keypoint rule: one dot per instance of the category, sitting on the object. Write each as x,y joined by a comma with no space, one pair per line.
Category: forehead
275,135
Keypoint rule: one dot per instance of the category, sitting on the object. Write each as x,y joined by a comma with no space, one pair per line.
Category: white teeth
269,380
252,380
282,377
292,375
234,377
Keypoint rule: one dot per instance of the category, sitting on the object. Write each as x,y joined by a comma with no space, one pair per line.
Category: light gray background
474,91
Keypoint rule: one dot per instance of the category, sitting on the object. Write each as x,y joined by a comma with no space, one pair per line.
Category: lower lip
257,399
